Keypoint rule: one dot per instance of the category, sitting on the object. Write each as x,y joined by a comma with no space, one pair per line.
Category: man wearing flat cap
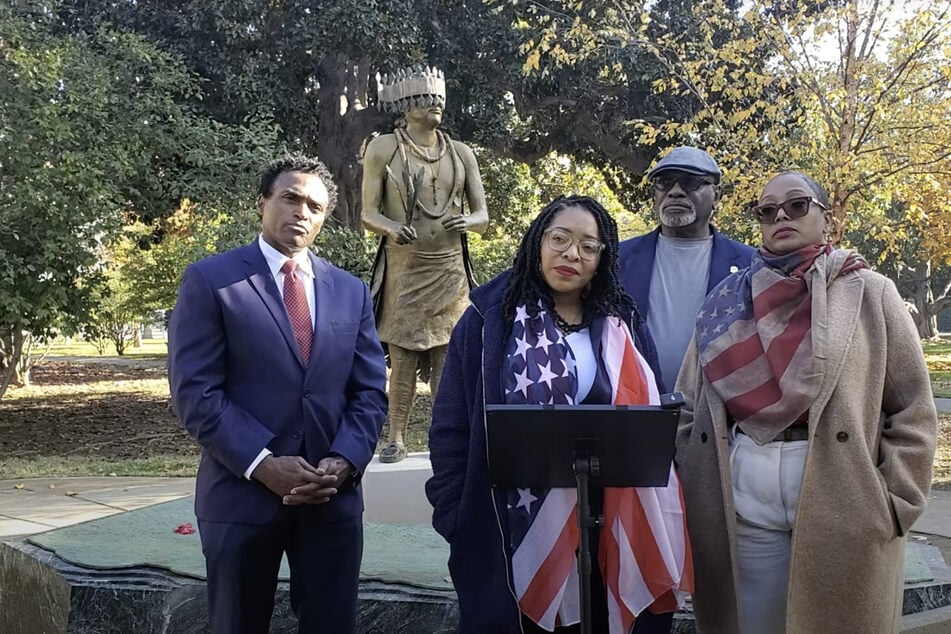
670,270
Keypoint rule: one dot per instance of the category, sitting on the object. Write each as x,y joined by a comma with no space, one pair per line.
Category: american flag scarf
755,335
643,552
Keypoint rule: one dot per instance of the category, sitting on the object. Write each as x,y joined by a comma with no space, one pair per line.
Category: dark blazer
238,383
637,263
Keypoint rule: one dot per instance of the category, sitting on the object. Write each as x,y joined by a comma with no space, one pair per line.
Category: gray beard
677,219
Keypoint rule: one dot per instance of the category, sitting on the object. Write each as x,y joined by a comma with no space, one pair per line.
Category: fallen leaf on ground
184,529
17,486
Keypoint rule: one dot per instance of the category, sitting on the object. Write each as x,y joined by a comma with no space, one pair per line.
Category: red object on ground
185,529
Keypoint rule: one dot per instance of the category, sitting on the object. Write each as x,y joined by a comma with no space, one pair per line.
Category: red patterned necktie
295,300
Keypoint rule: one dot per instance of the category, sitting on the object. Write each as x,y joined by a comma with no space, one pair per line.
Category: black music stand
551,446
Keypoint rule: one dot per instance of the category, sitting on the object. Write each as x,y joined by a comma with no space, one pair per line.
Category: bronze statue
416,184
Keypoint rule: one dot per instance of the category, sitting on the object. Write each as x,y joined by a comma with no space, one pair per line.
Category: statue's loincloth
423,295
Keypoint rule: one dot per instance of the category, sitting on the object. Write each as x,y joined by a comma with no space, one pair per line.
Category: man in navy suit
276,370
670,270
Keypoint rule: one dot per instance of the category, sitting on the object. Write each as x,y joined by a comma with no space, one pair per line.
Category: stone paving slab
11,526
134,497
943,404
937,517
937,621
57,512
30,506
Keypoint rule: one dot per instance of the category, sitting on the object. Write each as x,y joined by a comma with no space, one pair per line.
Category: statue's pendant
435,175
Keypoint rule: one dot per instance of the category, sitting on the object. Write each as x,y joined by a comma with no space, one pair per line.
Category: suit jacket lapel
723,257
642,266
260,278
323,298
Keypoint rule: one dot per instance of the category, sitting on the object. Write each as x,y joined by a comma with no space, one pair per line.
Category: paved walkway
942,404
37,505
41,504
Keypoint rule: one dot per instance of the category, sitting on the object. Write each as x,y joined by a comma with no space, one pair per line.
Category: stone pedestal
395,493
133,574
42,594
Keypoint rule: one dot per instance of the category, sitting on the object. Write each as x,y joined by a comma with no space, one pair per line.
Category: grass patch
938,357
941,384
178,465
149,348
937,348
942,458
111,415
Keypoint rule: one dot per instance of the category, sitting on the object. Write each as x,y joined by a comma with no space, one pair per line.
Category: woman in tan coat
806,445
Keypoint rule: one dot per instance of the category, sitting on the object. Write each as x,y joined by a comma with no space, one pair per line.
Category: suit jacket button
298,435
306,393
703,437
842,436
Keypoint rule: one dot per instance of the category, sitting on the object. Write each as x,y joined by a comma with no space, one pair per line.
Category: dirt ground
117,409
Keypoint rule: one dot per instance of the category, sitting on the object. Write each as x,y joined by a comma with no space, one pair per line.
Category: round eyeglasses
560,240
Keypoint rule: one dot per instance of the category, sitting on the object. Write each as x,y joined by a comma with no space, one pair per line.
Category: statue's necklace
422,153
443,148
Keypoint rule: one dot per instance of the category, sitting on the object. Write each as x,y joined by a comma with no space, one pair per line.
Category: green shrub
347,249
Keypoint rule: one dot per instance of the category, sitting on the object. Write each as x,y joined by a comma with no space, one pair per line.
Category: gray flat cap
687,159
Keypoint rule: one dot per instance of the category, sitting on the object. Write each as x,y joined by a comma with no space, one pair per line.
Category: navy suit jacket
637,263
238,383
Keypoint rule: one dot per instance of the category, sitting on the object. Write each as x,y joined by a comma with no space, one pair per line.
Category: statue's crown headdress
420,86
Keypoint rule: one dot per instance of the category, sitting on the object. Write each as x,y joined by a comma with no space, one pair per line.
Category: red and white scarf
755,335
644,552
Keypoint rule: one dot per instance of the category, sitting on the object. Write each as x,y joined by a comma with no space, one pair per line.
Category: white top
586,365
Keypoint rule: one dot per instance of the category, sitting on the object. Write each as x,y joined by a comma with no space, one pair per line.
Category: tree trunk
11,351
21,376
922,298
345,123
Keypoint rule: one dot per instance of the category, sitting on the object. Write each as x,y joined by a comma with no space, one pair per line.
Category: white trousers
766,483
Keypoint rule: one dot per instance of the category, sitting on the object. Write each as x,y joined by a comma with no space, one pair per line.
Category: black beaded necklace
567,328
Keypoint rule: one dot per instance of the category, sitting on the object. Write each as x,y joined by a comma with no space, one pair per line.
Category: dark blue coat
466,510
238,383
637,265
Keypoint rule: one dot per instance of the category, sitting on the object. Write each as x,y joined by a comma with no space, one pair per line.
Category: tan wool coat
872,435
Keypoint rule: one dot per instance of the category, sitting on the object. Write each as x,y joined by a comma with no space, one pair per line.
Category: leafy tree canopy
93,131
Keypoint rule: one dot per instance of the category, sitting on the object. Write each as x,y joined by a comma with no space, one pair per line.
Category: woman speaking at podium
556,328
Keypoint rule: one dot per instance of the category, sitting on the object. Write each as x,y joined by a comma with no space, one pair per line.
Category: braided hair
605,297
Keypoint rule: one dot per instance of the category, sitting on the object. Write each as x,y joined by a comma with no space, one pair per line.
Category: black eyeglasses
793,208
688,183
560,240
